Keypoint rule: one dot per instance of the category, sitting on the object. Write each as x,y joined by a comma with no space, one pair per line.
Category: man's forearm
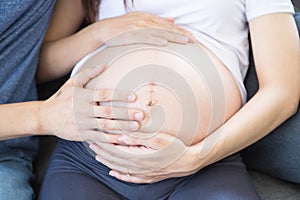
19,119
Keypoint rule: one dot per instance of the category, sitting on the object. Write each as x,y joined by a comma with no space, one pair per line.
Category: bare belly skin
184,90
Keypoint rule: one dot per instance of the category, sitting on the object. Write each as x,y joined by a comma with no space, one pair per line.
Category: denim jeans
73,173
15,176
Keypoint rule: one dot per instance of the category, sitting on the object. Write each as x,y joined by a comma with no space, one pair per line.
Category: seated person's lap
75,174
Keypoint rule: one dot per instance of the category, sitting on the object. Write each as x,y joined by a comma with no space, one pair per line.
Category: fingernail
131,98
163,42
92,147
123,138
138,116
184,39
134,126
111,173
192,38
98,158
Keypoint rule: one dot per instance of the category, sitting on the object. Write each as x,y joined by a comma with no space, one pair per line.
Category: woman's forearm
58,57
246,126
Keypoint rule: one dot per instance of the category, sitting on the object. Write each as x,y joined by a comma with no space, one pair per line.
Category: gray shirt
23,24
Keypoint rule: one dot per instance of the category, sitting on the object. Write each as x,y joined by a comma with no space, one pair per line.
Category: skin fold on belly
184,90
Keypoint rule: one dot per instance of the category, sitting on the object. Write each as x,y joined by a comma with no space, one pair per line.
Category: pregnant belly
184,90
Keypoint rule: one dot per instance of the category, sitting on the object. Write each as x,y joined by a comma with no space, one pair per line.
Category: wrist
29,119
41,122
194,160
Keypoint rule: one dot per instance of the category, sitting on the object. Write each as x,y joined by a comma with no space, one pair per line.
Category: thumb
87,74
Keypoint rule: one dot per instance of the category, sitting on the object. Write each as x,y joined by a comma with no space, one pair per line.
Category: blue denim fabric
15,176
22,27
278,154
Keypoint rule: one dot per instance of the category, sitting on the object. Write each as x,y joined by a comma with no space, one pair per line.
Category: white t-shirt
220,25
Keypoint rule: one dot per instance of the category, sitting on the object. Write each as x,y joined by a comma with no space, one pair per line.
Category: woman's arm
61,49
276,50
71,113
277,57
64,45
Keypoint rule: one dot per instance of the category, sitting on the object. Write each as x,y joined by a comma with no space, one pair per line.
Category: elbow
294,105
291,104
285,100
295,100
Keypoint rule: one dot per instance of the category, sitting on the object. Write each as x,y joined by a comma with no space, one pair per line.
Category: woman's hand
75,113
63,47
147,160
137,27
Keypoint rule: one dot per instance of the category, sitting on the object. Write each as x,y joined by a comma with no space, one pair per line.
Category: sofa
270,187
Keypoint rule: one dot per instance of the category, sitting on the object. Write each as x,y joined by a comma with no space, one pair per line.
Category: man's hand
75,113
